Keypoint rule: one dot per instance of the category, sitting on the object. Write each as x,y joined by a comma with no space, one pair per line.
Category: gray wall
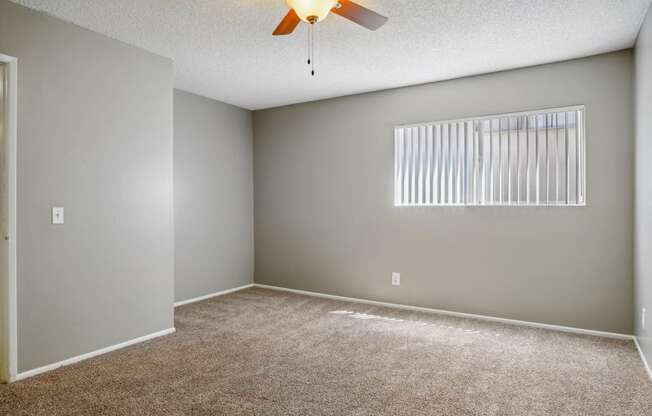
94,135
213,195
325,220
643,273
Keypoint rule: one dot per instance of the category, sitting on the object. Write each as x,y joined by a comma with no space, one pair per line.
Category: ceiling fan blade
360,15
288,24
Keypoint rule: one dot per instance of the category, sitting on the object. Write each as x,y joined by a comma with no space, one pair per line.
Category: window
522,159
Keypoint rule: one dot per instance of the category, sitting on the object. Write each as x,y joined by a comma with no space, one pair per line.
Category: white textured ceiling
224,49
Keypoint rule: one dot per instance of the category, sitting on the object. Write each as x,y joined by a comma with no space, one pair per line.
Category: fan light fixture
312,11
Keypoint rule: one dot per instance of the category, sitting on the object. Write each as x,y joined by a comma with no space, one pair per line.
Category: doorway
8,140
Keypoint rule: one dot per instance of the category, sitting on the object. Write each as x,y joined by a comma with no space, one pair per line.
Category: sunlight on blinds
534,158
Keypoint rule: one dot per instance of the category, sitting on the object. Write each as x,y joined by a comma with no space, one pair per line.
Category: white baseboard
212,295
640,351
73,360
456,314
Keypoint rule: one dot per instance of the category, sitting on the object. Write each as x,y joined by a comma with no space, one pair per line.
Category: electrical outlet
57,215
396,279
643,311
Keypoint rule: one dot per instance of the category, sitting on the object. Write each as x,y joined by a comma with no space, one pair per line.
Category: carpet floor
262,352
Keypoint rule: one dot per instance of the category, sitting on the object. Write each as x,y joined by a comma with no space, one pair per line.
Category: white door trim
12,142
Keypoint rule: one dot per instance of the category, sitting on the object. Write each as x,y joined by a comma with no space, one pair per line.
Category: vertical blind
534,158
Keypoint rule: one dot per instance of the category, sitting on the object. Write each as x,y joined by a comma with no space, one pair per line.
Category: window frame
547,110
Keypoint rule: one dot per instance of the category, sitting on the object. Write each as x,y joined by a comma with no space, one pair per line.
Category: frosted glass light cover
308,8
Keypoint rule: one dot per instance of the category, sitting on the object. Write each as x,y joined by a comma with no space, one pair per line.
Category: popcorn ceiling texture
224,49
261,352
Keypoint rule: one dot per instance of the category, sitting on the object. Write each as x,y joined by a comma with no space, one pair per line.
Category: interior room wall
94,136
213,194
325,220
643,208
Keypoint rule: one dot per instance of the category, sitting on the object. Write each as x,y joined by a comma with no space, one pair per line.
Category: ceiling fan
313,11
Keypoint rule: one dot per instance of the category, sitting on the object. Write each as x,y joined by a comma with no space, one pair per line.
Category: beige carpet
260,352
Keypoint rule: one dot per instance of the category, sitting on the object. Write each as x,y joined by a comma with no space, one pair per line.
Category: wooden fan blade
360,15
288,24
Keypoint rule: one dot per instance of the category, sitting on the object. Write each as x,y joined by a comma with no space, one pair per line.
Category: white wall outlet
643,311
396,279
57,215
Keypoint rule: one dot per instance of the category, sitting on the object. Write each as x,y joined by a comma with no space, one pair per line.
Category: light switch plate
396,279
57,215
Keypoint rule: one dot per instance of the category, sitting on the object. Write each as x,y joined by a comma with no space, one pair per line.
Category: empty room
326,207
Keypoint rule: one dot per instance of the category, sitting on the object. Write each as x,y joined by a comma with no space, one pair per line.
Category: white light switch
643,311
57,215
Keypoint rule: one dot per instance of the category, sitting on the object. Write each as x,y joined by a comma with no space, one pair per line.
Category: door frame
11,123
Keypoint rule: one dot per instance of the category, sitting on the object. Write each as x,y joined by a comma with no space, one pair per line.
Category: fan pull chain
311,61
310,45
